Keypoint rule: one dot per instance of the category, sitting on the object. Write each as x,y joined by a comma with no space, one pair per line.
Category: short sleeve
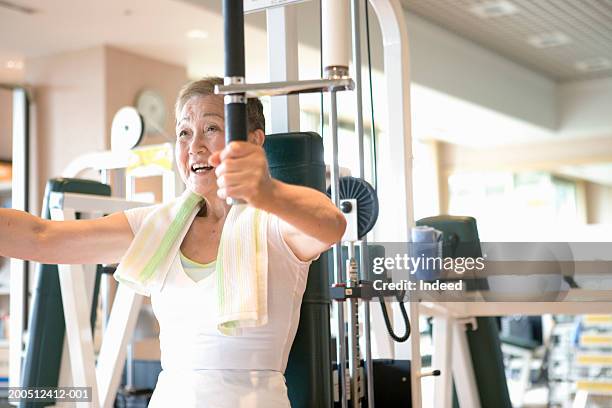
136,216
277,237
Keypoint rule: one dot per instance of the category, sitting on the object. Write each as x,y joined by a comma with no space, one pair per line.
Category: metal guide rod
356,37
338,276
369,369
105,282
354,358
129,367
357,67
353,325
235,103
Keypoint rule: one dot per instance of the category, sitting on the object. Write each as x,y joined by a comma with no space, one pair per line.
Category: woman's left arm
311,223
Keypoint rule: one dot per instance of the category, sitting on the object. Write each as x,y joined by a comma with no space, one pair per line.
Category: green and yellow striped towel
242,271
241,267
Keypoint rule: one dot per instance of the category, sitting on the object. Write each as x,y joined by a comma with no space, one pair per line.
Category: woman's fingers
243,172
239,187
238,149
245,185
241,164
230,180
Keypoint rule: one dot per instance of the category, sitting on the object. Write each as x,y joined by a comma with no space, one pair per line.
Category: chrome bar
352,280
369,369
129,368
357,73
338,275
356,34
287,87
105,283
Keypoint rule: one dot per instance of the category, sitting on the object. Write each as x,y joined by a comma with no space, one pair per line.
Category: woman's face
199,133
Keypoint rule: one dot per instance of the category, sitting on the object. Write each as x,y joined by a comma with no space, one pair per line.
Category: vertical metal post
356,30
338,275
235,104
105,281
415,354
352,280
369,369
105,299
463,370
396,215
77,306
356,35
129,369
18,305
442,360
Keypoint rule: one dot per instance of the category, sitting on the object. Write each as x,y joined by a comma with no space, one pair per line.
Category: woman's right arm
96,241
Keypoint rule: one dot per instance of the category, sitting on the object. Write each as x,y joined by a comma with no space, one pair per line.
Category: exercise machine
397,211
58,307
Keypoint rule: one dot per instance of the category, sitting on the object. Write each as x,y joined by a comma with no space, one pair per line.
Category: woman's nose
197,144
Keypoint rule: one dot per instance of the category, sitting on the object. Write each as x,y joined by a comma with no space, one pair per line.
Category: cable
395,337
374,161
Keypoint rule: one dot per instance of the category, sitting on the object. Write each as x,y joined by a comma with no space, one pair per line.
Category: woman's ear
257,136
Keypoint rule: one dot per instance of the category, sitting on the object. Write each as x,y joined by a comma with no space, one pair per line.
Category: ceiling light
196,34
13,64
490,9
594,64
547,40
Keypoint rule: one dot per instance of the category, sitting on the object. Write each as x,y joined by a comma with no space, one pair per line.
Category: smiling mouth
201,168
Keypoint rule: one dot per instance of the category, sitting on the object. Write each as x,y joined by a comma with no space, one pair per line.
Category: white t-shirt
186,311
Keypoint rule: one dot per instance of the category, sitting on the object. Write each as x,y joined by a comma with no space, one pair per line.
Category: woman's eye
182,133
212,128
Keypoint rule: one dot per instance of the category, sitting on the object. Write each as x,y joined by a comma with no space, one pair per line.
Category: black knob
346,207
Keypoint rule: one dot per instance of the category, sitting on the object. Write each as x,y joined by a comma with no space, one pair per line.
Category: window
504,201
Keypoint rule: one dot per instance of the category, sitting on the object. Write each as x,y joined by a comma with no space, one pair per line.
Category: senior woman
201,366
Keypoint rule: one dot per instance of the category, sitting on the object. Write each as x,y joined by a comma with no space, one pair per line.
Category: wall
598,203
443,61
76,95
69,110
536,156
552,157
448,63
126,74
585,108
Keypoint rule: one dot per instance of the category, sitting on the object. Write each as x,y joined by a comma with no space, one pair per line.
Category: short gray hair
206,87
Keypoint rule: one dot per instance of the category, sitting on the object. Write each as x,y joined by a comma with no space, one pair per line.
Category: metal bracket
468,321
364,290
234,98
430,373
56,200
